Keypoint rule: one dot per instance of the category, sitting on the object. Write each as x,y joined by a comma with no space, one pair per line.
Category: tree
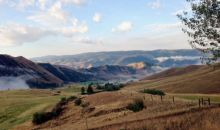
90,89
203,26
82,90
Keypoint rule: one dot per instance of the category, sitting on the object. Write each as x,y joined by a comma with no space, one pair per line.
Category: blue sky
58,27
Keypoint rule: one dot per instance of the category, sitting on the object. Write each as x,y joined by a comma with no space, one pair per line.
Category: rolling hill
28,71
191,79
14,69
19,72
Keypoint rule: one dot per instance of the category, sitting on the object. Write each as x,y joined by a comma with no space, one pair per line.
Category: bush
90,89
154,92
78,101
110,87
39,118
85,104
71,98
136,106
42,117
83,90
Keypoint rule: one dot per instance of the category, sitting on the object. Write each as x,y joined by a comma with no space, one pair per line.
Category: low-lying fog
12,83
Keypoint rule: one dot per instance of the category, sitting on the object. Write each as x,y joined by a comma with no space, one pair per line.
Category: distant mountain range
159,58
15,70
53,71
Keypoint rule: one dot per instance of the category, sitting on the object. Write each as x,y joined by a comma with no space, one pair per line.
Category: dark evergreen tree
83,90
90,89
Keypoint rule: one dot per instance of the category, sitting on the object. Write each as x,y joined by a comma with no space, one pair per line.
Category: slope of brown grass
109,108
174,72
203,79
201,119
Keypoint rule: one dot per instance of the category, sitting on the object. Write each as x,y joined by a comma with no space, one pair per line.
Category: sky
34,28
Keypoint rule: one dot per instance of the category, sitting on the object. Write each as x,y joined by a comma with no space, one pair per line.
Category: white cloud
97,17
76,2
59,20
155,5
87,40
76,27
42,4
123,27
165,27
54,15
25,3
187,8
15,34
178,58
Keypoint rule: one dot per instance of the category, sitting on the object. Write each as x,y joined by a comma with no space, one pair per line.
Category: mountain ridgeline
45,75
159,58
54,71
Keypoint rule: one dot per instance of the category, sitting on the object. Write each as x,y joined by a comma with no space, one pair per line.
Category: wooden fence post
151,97
209,101
87,127
173,100
202,101
161,97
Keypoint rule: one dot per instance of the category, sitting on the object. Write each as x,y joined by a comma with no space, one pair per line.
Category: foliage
71,98
85,104
41,117
90,89
83,90
78,101
203,26
154,92
136,106
110,87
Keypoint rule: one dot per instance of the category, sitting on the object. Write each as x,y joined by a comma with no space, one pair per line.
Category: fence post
173,99
209,101
202,101
87,127
161,97
151,97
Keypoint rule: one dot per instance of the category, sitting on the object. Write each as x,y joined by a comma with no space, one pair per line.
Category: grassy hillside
18,106
107,111
193,79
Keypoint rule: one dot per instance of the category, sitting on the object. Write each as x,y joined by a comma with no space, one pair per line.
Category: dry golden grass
204,80
110,110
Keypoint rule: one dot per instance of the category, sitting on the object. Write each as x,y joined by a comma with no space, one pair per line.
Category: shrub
71,98
90,89
41,117
85,104
154,92
78,101
83,90
136,106
110,87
